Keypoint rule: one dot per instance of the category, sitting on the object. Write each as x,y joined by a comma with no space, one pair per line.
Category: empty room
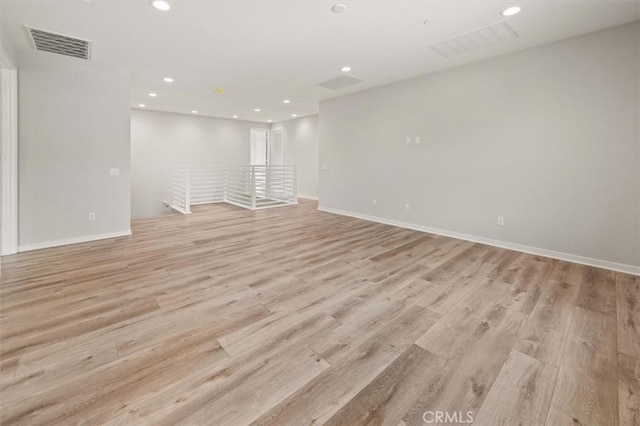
278,212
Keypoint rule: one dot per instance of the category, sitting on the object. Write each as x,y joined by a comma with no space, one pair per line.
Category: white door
259,147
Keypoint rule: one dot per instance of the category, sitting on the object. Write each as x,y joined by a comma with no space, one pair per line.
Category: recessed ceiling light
153,95
345,69
270,121
511,11
339,8
160,5
142,106
294,115
257,110
194,112
286,101
168,80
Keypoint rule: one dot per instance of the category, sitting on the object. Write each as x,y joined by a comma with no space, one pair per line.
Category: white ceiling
262,52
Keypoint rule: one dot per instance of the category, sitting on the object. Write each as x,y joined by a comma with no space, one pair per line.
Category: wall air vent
484,37
340,82
46,41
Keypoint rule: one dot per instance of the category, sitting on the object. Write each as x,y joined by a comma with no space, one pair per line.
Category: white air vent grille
340,82
484,37
46,41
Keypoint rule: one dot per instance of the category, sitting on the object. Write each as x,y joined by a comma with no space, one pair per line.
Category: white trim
308,197
620,267
85,239
9,158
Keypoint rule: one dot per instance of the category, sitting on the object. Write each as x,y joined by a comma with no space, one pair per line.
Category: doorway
259,147
267,147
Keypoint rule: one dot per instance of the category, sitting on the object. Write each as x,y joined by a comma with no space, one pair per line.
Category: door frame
268,132
9,158
271,139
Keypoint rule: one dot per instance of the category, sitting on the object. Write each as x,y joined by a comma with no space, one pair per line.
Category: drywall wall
6,55
74,127
301,147
162,140
2,189
548,138
7,51
2,159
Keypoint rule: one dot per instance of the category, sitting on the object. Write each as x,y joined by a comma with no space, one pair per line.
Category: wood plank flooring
291,316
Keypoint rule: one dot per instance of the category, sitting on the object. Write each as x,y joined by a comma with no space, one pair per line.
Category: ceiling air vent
46,41
340,82
484,37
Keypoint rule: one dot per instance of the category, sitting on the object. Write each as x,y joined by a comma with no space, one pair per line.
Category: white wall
7,52
161,140
6,56
547,138
73,127
301,147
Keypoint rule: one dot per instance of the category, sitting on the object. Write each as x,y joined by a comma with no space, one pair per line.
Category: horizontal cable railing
251,187
180,200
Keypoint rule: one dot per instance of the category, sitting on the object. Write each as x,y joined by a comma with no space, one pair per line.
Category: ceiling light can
160,5
510,11
339,8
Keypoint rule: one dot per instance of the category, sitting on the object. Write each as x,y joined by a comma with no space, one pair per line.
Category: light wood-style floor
292,316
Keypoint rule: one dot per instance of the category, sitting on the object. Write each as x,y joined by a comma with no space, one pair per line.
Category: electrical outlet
406,207
324,167
114,172
92,216
500,220
375,202
408,140
418,139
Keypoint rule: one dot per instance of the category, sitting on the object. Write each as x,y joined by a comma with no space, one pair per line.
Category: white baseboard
605,264
57,243
308,197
